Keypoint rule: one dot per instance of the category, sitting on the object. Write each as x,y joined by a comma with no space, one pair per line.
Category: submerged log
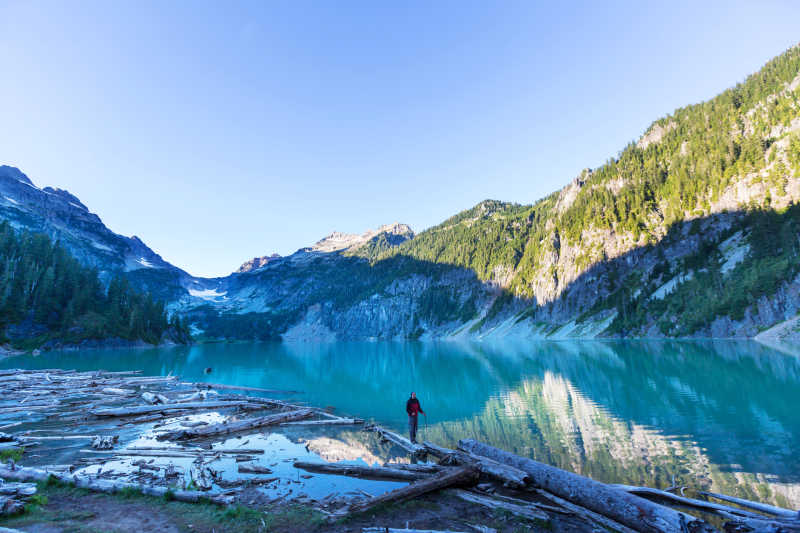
627,509
110,486
202,384
363,472
253,469
527,511
233,427
449,478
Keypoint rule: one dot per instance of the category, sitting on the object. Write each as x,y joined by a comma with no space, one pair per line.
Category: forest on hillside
47,296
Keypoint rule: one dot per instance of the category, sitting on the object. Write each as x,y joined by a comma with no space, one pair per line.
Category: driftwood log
233,427
395,530
627,509
363,472
410,447
505,474
525,511
145,409
21,473
453,477
326,422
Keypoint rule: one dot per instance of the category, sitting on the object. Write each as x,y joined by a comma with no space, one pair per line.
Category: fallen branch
761,507
449,478
363,472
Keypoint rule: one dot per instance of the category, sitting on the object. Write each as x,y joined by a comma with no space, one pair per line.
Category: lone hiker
413,409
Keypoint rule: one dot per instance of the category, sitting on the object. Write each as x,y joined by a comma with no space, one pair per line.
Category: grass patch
11,453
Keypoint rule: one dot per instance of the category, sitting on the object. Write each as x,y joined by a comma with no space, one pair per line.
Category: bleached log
756,506
453,477
154,399
327,422
109,486
395,530
399,440
425,468
363,472
252,469
233,427
627,509
710,507
587,514
17,489
505,474
526,511
122,392
147,409
150,453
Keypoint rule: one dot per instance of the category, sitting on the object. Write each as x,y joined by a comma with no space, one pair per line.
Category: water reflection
717,414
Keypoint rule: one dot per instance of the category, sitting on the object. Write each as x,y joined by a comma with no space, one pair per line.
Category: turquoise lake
718,414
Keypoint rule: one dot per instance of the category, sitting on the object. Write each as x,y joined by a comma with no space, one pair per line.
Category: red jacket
413,407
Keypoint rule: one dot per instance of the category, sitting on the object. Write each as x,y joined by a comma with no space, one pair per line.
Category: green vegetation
47,295
693,157
11,453
773,258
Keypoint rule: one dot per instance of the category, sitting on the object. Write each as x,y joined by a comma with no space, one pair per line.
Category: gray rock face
256,263
60,215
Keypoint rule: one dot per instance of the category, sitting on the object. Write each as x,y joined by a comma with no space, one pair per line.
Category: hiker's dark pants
412,427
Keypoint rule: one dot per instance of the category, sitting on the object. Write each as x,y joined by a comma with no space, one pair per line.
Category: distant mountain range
692,231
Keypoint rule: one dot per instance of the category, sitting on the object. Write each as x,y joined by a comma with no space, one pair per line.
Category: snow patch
207,294
11,200
734,250
101,246
145,263
669,286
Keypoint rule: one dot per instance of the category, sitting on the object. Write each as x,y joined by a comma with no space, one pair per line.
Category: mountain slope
695,179
691,231
61,216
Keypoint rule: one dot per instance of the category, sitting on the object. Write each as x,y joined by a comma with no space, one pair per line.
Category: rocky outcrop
256,263
340,242
64,218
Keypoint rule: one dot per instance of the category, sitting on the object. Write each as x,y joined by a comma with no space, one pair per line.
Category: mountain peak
256,263
7,171
338,241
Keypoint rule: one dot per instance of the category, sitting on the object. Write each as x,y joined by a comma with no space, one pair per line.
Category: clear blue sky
217,131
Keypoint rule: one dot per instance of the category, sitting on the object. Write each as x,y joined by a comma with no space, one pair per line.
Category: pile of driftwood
14,496
91,408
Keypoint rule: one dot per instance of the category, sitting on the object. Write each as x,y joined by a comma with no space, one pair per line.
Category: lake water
722,415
